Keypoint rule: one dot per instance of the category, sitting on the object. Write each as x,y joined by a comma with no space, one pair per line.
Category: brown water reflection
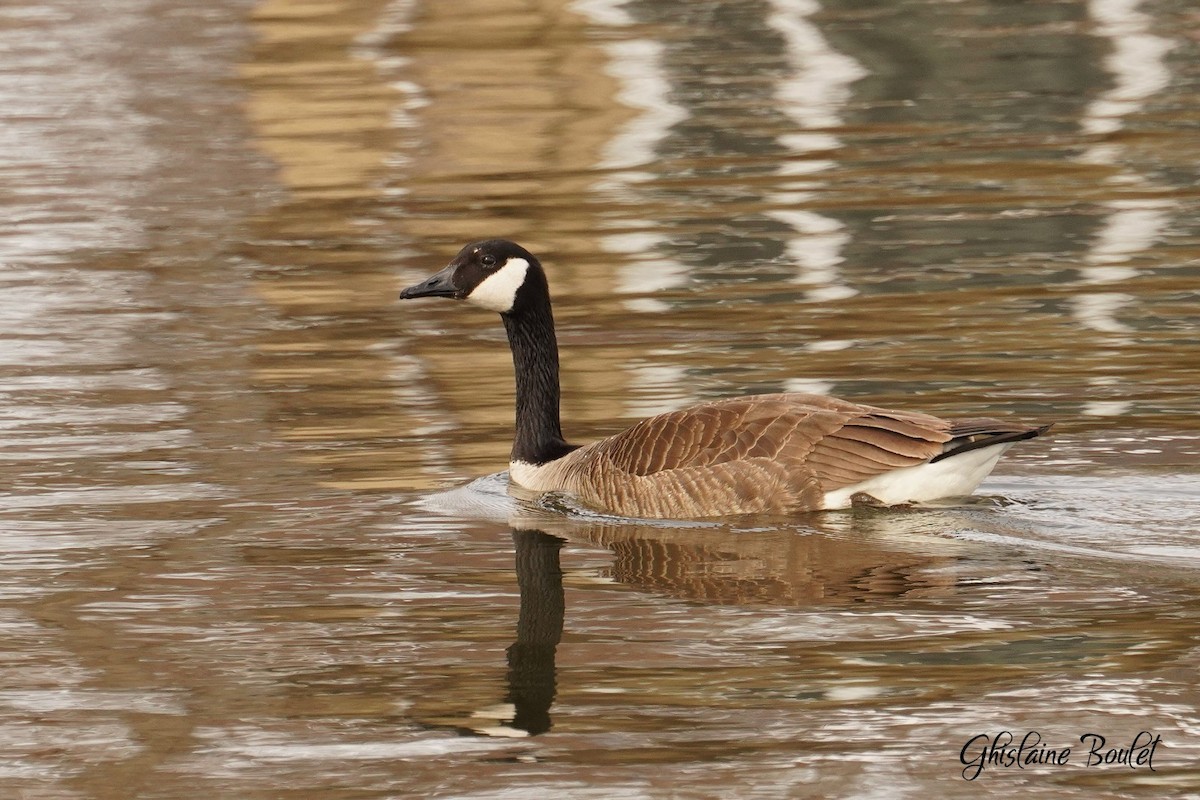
227,567
895,631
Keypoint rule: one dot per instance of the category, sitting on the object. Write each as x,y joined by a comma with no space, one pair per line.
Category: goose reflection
531,673
857,557
866,557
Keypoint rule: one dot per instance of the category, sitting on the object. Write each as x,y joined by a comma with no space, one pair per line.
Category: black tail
972,434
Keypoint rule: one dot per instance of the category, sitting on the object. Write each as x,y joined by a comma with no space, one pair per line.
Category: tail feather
973,434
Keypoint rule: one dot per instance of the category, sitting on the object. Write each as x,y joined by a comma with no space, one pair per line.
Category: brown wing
774,453
723,431
876,441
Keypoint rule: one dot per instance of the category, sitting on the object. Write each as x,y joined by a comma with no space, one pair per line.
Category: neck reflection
531,671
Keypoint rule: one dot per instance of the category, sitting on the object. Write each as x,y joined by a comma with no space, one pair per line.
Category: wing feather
767,453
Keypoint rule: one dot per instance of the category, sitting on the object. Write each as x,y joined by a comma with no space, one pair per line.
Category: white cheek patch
498,291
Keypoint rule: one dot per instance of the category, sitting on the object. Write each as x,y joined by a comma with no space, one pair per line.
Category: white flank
956,476
498,291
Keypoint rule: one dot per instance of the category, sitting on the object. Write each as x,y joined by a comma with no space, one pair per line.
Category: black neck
535,359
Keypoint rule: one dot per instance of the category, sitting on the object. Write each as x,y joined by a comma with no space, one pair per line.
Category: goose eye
488,260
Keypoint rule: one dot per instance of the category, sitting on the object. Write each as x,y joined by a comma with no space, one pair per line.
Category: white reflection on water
603,12
1106,408
808,385
1137,64
642,273
637,64
661,388
1133,226
820,82
73,145
47,701
1098,311
811,95
231,750
395,20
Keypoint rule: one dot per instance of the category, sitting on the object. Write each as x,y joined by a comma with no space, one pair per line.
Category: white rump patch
498,291
956,476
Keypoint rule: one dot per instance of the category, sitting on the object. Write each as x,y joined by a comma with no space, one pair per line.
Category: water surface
255,540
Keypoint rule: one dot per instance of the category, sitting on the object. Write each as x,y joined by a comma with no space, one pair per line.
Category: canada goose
772,453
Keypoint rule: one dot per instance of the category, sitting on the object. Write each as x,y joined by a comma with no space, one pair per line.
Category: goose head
496,274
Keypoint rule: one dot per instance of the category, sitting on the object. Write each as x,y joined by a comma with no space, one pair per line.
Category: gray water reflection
225,568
